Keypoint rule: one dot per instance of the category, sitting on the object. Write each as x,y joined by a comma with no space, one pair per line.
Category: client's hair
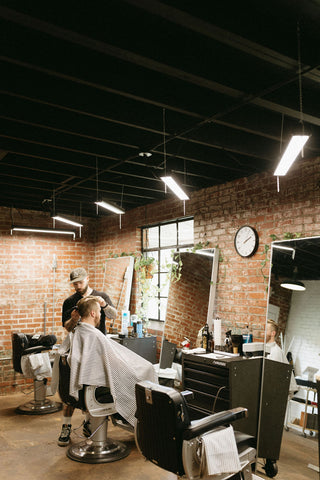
274,326
86,305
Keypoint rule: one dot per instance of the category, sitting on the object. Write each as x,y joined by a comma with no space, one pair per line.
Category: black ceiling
210,88
301,260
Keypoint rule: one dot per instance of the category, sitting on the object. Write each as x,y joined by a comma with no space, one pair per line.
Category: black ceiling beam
184,19
106,49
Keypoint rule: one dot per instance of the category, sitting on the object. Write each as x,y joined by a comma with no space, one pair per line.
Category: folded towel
221,452
36,365
36,361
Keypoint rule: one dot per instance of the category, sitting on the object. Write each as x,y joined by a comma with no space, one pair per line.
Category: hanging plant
144,266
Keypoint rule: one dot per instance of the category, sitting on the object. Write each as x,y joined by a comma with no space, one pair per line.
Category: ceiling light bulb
177,190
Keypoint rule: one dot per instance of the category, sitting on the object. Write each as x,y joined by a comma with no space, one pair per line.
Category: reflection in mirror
191,299
294,304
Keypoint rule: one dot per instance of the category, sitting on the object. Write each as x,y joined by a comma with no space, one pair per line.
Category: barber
70,317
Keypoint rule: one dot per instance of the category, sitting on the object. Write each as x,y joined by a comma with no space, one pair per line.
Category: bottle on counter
247,335
139,329
211,342
205,337
125,321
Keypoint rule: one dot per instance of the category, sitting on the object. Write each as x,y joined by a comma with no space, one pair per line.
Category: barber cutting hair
95,359
70,318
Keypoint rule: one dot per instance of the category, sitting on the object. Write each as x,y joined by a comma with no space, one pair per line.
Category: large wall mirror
191,300
294,304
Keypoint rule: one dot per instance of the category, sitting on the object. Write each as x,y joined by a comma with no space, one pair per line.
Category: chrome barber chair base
98,452
39,408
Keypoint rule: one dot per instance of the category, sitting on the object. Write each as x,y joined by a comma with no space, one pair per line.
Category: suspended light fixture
174,187
295,146
289,249
297,142
16,228
168,180
66,220
293,284
110,206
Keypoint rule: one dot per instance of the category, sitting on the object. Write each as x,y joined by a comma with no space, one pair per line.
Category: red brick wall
188,300
26,273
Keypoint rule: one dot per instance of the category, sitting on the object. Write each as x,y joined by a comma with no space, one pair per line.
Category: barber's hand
73,320
101,301
75,316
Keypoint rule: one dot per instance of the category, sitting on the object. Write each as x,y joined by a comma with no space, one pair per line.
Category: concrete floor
29,451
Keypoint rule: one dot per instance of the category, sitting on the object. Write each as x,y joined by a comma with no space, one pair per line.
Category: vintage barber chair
98,401
166,437
23,347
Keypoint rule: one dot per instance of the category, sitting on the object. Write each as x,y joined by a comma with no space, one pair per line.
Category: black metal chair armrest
37,349
198,427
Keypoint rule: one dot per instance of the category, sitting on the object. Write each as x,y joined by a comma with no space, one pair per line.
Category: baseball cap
77,275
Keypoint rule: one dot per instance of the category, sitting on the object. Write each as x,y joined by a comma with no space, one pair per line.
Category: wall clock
246,241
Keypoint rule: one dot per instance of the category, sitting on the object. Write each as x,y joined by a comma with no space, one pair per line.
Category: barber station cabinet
229,382
146,347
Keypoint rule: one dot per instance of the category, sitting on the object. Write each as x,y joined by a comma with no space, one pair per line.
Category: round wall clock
246,241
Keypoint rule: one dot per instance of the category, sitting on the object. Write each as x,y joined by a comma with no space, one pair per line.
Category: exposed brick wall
26,273
281,298
188,300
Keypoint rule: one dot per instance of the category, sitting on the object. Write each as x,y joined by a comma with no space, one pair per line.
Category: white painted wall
302,336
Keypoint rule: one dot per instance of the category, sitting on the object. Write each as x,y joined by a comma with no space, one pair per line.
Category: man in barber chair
97,360
276,353
70,317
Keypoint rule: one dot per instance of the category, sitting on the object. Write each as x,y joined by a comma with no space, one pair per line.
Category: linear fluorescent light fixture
109,206
293,285
176,189
42,230
295,146
289,249
66,220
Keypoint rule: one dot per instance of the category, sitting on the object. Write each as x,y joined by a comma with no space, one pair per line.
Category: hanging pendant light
297,142
293,283
174,187
293,149
109,206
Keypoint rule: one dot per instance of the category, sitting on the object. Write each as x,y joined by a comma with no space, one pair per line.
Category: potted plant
144,266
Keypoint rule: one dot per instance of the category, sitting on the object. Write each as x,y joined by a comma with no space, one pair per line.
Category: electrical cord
216,398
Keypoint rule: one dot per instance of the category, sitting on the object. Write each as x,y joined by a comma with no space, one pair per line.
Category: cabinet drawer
221,391
213,377
208,403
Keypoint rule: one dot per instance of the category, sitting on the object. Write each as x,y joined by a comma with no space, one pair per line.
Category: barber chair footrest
98,452
35,407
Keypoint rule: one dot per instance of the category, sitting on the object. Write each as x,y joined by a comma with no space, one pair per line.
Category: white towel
36,361
221,452
36,365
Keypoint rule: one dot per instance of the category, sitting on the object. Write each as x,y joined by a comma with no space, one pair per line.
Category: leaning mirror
294,304
191,298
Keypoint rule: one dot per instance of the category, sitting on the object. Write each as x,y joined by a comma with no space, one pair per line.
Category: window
159,241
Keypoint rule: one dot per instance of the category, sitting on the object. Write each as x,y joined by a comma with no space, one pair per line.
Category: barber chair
165,435
98,401
23,347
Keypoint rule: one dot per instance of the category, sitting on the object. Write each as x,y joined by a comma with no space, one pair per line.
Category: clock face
246,241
